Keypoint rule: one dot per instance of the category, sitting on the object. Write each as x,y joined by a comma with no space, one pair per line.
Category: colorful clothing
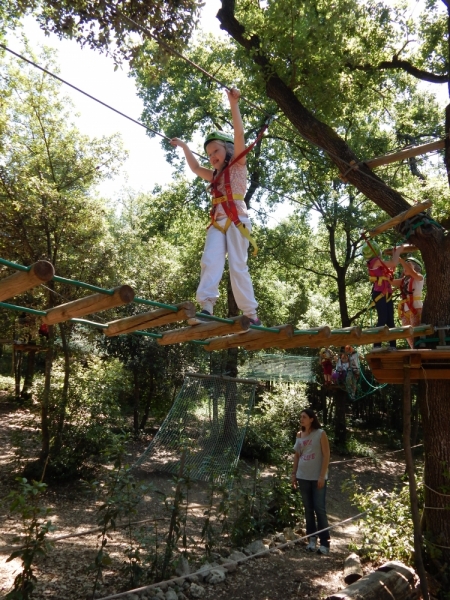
231,242
308,471
410,306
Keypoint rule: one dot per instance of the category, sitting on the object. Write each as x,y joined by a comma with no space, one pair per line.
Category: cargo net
282,367
207,421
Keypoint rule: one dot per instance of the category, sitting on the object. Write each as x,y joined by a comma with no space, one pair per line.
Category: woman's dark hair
312,415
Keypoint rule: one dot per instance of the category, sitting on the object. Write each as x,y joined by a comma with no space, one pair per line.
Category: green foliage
119,495
274,422
25,502
91,415
102,27
387,528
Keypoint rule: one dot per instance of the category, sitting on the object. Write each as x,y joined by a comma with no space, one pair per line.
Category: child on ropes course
352,377
381,274
326,362
411,287
230,227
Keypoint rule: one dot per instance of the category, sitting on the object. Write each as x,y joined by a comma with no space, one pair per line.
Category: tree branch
400,65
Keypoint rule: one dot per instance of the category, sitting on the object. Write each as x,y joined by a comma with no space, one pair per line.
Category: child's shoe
256,321
198,320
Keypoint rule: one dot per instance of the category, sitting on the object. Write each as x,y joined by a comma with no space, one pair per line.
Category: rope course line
263,553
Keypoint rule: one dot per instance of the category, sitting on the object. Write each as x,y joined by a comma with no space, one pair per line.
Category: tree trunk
340,428
29,375
231,369
65,391
45,402
136,392
17,367
148,401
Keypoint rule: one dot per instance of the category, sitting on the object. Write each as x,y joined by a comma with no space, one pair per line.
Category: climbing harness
408,299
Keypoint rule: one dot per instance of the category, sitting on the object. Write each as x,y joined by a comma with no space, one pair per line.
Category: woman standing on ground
310,475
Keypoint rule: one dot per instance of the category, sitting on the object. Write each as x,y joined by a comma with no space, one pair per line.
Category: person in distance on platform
230,229
310,475
381,274
411,288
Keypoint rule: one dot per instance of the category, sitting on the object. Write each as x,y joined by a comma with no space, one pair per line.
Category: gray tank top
311,456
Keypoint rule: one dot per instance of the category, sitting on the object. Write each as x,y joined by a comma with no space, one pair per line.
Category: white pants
217,245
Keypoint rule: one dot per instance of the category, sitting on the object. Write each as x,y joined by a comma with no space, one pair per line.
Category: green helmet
416,263
370,250
219,136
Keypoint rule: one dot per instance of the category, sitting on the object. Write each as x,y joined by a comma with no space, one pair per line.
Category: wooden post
392,581
411,212
418,560
86,306
203,331
154,318
22,281
255,338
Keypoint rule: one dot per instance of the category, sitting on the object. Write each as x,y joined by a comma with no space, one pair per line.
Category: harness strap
229,206
378,298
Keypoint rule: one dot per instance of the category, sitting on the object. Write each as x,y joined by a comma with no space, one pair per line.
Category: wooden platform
389,366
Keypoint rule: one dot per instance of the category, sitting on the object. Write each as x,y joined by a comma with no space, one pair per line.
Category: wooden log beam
406,214
203,331
403,154
307,340
256,336
86,306
22,281
154,318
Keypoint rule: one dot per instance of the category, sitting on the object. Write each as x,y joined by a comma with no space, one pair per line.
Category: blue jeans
314,503
385,315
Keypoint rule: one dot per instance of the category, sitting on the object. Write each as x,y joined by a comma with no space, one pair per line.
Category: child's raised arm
238,127
192,162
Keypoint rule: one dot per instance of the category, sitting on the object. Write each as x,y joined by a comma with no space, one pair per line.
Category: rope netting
208,420
281,367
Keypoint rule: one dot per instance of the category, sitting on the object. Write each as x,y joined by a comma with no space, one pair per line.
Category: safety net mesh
208,420
273,367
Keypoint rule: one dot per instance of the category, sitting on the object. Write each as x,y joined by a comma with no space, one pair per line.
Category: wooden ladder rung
204,330
88,305
147,320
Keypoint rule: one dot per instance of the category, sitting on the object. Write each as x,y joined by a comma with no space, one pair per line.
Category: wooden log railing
88,305
203,331
253,339
41,272
154,318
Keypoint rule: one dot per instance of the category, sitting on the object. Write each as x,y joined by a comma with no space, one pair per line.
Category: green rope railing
30,311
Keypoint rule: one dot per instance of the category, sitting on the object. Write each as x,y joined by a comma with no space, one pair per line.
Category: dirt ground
292,573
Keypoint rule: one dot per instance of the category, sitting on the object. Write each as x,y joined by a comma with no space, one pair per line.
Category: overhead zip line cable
47,72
